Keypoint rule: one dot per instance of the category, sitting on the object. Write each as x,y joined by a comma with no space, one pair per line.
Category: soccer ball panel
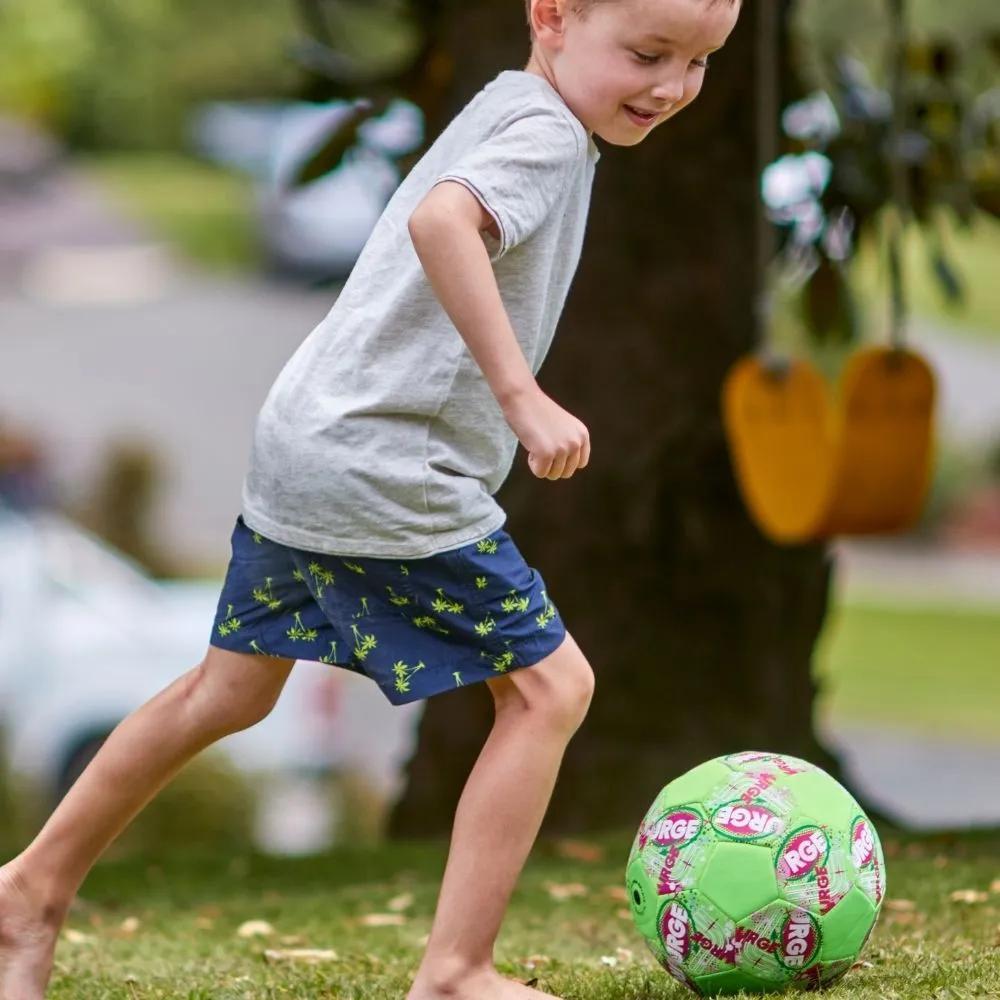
739,879
816,794
730,982
846,927
694,786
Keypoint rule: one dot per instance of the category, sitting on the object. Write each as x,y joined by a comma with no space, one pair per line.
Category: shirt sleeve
520,172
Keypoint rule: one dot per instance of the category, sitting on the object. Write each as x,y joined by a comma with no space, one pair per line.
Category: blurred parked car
86,637
313,231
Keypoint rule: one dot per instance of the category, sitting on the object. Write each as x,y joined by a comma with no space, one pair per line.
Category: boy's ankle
449,975
46,896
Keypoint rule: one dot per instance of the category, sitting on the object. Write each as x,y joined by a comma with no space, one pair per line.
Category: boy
370,537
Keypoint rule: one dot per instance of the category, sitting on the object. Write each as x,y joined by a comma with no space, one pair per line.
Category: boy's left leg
538,709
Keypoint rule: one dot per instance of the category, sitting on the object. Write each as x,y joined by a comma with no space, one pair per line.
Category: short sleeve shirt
381,436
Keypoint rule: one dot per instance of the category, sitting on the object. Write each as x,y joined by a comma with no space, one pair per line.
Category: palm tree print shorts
416,627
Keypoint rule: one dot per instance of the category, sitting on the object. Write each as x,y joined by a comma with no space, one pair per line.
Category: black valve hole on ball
637,897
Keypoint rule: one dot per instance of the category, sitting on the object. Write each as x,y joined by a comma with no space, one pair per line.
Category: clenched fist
556,442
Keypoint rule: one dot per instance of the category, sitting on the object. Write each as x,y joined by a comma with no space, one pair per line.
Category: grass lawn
205,212
936,671
170,931
975,253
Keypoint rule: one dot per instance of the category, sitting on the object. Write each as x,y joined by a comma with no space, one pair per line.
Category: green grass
185,945
933,671
203,211
975,253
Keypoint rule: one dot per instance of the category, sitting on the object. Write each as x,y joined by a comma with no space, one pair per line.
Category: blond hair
582,6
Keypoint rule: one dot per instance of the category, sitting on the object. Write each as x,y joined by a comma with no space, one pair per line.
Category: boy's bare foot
28,938
481,985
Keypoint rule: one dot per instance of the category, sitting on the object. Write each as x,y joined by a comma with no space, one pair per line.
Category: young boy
370,538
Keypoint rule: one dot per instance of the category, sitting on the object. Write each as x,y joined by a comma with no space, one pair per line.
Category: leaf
616,892
255,928
399,903
900,905
130,925
995,886
533,962
580,850
970,896
382,920
565,891
302,956
77,937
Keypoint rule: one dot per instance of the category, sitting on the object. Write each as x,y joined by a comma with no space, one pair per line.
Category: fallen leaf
623,914
579,850
292,940
255,928
565,891
399,903
616,892
130,925
534,961
609,960
900,905
382,920
940,861
995,886
77,937
969,896
204,923
862,965
304,956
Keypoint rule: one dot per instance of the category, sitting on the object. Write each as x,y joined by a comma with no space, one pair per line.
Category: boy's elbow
425,219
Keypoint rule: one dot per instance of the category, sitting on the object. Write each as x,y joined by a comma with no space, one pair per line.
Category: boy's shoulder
516,95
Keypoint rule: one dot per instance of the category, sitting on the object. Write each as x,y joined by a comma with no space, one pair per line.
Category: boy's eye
646,58
700,63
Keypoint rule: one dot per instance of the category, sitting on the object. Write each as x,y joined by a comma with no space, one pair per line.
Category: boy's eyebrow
663,40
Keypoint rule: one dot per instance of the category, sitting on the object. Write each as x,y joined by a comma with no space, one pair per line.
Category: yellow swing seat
812,466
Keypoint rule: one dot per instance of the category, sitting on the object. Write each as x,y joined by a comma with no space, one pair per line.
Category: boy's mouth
644,119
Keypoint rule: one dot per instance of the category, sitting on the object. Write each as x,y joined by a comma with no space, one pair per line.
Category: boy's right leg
226,693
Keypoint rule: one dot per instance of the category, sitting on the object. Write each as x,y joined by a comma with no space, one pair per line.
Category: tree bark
701,632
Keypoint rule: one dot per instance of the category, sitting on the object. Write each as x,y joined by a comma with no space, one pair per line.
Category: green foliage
206,213
110,74
9,811
208,806
862,26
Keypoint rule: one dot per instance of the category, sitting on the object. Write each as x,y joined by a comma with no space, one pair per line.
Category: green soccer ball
756,872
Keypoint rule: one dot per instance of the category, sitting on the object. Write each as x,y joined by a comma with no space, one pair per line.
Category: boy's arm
446,229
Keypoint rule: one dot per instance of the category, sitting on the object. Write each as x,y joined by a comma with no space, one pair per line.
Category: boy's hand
556,442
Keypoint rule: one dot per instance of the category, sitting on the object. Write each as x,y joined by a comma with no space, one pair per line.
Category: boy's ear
548,19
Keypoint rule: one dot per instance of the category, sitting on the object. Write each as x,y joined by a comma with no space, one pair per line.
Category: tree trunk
700,631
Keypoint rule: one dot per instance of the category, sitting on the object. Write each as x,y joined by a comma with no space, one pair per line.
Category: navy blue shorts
417,627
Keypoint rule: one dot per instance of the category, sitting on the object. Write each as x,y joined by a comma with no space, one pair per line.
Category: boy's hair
582,6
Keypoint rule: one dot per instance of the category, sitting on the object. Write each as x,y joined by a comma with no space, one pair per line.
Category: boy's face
625,66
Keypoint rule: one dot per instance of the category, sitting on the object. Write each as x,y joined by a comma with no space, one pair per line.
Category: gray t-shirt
381,436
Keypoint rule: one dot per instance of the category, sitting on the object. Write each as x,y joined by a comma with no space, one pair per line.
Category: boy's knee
559,689
234,690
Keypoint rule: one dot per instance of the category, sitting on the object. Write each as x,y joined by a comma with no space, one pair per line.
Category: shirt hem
327,544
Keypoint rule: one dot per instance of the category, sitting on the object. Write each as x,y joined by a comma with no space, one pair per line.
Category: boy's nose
669,91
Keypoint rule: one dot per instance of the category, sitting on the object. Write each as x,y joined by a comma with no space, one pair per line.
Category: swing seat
810,466
885,444
780,426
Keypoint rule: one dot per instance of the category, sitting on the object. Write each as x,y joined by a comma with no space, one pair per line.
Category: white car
86,637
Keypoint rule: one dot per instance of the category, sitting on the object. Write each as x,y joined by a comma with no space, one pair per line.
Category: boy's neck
537,66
